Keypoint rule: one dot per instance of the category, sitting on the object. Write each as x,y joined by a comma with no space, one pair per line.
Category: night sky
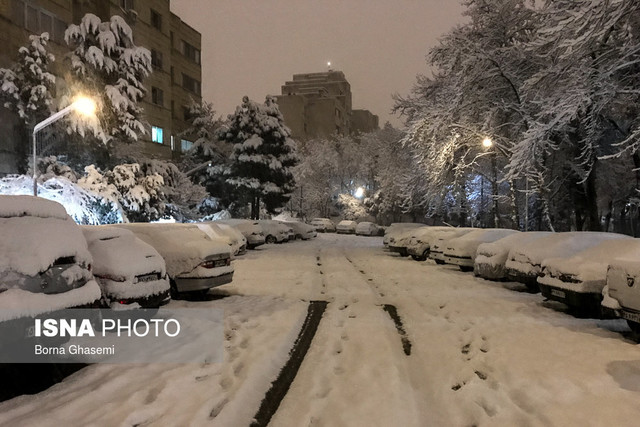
251,47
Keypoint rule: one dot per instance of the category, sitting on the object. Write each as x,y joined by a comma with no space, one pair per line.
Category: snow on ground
483,353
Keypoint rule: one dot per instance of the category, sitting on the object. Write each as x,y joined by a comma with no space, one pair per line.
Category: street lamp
83,105
487,142
359,193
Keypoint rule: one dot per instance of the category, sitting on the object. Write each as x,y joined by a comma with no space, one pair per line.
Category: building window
32,19
156,59
126,4
156,20
190,52
17,15
185,145
190,84
156,134
157,96
186,114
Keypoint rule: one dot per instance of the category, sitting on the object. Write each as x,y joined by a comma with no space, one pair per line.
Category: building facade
175,55
316,105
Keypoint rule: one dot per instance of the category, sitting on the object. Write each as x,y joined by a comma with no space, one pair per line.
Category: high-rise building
319,105
175,55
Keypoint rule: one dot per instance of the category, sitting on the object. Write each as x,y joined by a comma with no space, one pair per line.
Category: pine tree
263,155
26,88
107,65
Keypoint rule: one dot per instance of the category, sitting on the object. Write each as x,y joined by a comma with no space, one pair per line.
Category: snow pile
491,257
466,245
83,205
587,269
527,259
118,257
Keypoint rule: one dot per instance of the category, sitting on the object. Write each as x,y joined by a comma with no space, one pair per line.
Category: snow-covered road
481,353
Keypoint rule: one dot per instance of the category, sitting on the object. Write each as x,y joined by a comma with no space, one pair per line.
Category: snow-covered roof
16,206
591,264
467,244
559,245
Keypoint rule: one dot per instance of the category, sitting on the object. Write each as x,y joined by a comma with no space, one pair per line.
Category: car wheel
465,268
270,239
439,261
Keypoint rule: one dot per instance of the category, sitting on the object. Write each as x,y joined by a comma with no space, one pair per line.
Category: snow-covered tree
106,64
25,88
139,194
263,155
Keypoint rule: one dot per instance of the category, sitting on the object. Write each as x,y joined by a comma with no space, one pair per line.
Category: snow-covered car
274,231
400,239
215,232
524,263
419,244
250,229
461,251
438,242
578,281
622,291
366,228
397,228
195,262
45,264
237,238
302,231
491,257
346,227
128,270
323,225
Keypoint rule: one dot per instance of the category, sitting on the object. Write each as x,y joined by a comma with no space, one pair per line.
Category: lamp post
82,105
488,144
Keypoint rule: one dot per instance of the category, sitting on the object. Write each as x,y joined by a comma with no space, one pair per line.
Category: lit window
156,134
186,145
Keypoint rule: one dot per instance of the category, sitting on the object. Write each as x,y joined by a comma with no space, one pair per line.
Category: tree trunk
591,196
515,217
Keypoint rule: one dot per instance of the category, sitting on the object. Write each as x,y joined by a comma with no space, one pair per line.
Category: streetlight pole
82,105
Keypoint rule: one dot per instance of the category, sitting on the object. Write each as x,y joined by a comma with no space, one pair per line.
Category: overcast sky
251,47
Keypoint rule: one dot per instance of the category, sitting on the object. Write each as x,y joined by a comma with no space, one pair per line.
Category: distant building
319,105
175,55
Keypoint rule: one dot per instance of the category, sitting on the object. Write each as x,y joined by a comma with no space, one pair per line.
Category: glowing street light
487,142
82,105
359,193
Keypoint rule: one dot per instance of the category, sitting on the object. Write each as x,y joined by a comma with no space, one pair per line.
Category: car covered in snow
400,240
195,262
438,242
346,227
491,257
216,232
621,294
397,228
366,228
237,238
461,251
250,229
524,263
45,264
323,225
301,230
419,244
274,231
129,271
578,281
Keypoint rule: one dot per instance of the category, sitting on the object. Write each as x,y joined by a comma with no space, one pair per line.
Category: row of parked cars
591,272
48,262
363,228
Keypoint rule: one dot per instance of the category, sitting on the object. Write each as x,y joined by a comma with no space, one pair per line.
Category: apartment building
175,55
320,105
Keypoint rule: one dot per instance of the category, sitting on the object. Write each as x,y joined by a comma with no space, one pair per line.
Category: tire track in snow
280,386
